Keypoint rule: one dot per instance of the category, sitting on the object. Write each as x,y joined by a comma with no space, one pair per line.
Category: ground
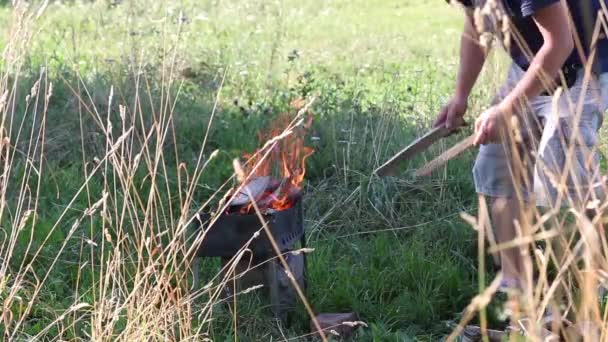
186,78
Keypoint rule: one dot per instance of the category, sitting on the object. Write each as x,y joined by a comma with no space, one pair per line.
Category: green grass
395,251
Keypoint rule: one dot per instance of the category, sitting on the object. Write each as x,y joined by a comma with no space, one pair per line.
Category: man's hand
452,113
472,58
491,126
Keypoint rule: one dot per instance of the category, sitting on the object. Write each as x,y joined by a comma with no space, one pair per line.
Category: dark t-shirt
584,15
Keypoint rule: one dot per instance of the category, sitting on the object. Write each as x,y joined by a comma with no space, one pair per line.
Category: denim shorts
552,159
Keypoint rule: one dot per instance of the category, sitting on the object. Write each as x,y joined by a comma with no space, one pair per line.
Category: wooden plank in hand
446,156
390,167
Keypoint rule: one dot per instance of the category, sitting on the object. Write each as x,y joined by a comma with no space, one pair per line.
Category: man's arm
554,26
472,58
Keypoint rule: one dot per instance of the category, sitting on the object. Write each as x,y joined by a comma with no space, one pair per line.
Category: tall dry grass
135,236
139,245
139,248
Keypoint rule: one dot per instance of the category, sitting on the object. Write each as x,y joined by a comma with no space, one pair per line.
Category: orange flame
284,161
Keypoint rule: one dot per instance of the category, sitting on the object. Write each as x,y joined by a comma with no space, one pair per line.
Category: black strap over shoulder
571,73
588,11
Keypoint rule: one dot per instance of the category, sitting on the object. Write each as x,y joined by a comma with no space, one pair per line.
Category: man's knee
504,206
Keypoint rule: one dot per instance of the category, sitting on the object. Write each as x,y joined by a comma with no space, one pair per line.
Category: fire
283,162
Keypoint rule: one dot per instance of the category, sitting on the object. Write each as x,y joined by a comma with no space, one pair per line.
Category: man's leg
494,174
504,213
503,172
493,179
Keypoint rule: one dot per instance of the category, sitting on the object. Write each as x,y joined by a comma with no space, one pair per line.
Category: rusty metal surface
226,236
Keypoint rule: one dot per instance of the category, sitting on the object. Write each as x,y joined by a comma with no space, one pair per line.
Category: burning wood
275,173
254,189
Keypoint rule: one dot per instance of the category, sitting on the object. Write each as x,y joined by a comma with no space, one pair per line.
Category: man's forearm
543,71
472,58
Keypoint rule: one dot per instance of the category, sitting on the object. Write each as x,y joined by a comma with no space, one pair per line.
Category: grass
102,180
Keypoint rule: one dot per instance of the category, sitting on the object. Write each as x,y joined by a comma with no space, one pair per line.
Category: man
550,42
